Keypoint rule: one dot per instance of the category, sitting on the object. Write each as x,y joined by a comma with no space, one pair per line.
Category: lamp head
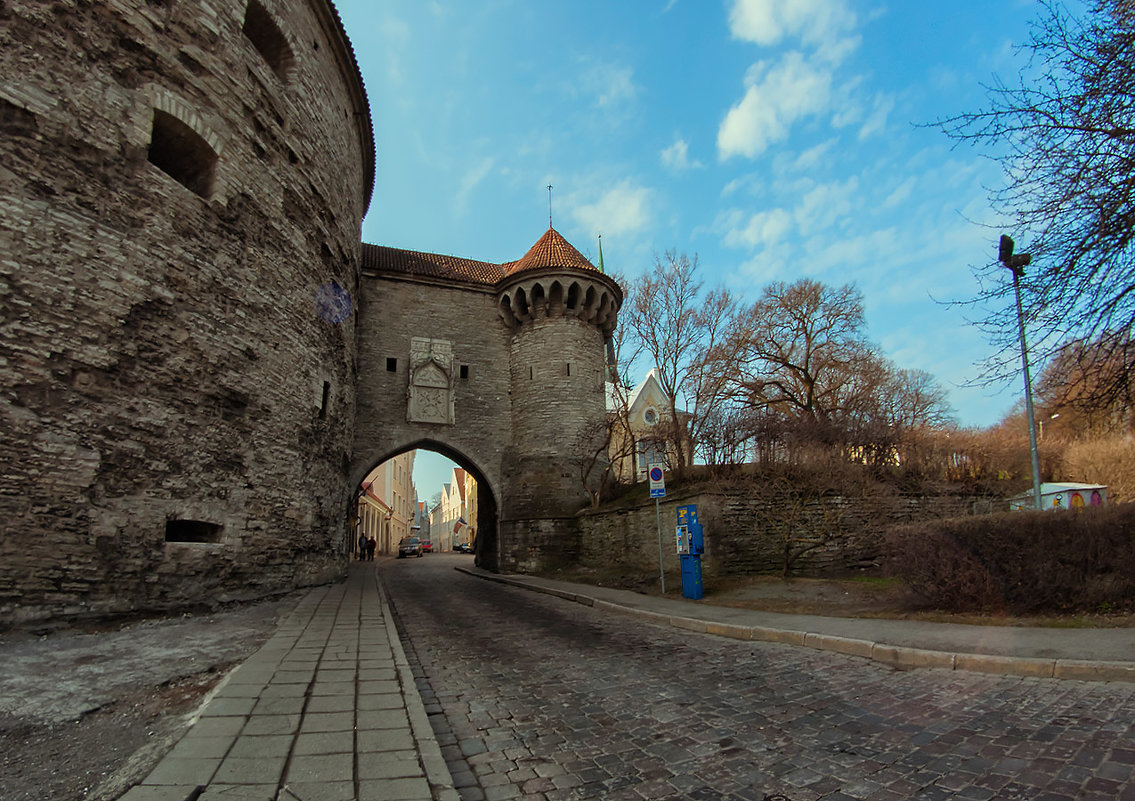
1005,251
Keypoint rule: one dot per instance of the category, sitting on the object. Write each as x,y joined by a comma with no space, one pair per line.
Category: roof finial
601,253
549,205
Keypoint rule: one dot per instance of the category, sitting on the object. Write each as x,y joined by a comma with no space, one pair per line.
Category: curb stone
896,656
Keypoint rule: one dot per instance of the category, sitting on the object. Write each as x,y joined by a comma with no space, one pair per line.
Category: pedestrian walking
362,547
372,544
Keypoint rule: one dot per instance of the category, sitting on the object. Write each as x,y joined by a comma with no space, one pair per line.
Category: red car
427,546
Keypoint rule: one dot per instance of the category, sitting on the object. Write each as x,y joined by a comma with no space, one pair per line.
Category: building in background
371,520
647,435
392,484
420,523
468,534
454,515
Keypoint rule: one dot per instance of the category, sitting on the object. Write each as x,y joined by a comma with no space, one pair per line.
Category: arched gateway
502,366
199,359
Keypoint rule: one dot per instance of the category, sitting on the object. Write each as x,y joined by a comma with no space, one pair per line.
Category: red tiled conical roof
552,250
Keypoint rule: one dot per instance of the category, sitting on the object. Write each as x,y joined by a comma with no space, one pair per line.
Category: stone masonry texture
162,354
745,530
195,372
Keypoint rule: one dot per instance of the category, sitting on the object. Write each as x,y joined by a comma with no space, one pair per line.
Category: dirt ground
85,712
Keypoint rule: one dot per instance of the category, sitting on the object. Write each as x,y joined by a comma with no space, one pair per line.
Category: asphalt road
534,697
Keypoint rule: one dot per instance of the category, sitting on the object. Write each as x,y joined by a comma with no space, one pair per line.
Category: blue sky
774,139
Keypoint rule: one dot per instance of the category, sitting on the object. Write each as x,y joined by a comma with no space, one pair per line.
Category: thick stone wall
162,352
394,311
744,530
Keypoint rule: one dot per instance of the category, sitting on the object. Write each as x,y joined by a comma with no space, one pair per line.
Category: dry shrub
1020,563
1109,461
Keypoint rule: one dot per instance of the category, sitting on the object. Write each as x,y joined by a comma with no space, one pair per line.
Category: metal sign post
658,490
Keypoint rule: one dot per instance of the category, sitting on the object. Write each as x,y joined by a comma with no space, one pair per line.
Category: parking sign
657,483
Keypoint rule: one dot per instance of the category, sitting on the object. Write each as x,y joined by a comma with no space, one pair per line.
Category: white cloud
900,193
877,120
763,229
622,210
813,156
824,204
469,182
824,24
776,97
677,156
395,35
609,84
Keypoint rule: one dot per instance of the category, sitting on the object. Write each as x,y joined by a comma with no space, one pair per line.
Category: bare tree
802,344
1066,128
917,401
1091,386
683,331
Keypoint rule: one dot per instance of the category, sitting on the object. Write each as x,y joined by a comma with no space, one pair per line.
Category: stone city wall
165,371
744,530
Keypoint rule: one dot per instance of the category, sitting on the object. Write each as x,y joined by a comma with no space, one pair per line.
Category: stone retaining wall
745,530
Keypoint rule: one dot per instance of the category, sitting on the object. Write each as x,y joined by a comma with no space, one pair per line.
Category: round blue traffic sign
656,474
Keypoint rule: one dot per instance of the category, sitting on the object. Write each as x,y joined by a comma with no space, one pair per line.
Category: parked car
409,546
427,546
463,547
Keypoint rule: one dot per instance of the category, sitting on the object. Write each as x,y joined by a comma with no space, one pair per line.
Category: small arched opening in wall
430,491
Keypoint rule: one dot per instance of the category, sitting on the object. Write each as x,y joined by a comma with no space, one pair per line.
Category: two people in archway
367,548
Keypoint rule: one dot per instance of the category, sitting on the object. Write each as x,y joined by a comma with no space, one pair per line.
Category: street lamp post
1016,265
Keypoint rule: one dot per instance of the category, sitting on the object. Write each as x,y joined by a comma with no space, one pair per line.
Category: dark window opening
192,531
391,364
326,399
569,368
179,152
465,372
530,373
267,38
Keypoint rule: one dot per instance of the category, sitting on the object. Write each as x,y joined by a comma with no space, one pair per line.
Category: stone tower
560,312
184,185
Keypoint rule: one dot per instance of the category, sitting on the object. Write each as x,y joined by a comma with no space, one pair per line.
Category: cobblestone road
538,698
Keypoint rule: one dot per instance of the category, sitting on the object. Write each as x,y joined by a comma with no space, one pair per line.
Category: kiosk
690,548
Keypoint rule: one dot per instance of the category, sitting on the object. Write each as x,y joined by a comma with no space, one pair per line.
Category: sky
773,139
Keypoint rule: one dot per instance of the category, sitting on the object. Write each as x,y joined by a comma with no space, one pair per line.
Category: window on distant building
649,452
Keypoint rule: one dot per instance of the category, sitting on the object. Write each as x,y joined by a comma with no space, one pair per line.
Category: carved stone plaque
431,381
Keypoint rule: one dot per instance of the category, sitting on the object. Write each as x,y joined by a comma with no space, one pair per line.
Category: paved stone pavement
325,711
533,696
1062,653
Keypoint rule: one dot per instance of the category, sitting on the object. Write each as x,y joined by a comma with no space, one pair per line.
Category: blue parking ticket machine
690,548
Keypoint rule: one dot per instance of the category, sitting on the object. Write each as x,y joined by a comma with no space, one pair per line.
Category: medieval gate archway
483,523
500,365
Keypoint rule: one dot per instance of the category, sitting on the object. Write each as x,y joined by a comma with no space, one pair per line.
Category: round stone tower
560,311
184,185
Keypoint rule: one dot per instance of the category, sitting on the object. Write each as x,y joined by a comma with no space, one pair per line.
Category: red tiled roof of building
431,265
551,250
